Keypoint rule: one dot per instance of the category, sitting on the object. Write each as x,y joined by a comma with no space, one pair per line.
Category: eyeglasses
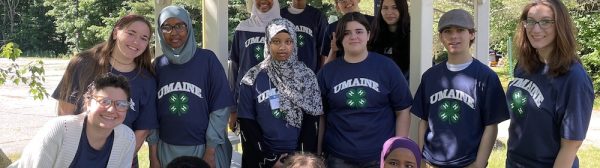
342,1
178,27
544,24
121,105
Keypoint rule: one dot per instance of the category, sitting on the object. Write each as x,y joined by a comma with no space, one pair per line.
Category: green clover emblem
259,52
178,104
300,40
450,111
517,102
277,113
356,98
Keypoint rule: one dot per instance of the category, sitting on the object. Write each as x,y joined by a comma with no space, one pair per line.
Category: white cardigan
56,143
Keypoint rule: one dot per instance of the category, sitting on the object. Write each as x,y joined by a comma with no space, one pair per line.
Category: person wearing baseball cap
457,101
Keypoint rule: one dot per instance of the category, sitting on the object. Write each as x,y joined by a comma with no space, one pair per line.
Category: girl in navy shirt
126,53
366,99
275,95
551,95
193,97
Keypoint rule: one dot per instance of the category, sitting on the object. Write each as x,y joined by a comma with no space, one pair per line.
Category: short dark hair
341,26
107,80
304,160
188,162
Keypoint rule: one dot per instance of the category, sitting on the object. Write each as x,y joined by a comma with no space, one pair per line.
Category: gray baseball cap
456,17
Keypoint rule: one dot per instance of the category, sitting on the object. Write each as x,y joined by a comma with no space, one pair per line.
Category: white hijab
258,20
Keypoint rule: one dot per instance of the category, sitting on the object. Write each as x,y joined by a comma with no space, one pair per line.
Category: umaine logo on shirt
452,94
178,102
356,82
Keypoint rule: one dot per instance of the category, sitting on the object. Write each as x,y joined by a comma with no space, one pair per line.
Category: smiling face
456,40
541,37
178,34
132,40
281,46
106,117
390,12
400,157
355,38
264,5
347,6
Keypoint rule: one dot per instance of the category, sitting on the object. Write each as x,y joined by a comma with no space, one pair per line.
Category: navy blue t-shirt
87,156
310,27
187,94
247,50
544,110
326,44
142,109
278,136
458,106
360,103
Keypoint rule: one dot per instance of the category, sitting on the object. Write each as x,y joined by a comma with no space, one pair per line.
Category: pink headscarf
400,142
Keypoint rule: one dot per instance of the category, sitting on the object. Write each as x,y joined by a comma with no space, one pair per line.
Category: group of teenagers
299,85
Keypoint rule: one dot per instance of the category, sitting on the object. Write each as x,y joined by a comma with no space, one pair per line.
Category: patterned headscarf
186,52
400,142
296,84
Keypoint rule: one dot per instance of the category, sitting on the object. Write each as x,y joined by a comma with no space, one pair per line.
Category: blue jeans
334,162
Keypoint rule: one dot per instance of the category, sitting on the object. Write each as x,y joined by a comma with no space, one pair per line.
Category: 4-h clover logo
178,104
518,102
450,111
300,40
259,52
356,98
277,113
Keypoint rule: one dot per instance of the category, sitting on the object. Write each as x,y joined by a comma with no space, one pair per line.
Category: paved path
21,116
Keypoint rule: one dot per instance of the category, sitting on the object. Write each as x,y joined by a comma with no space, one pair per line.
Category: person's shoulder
161,61
124,130
576,72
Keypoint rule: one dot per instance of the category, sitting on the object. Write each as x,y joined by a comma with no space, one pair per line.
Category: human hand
209,156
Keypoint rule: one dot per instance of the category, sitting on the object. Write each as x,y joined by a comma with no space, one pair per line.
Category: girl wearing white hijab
193,96
274,96
247,48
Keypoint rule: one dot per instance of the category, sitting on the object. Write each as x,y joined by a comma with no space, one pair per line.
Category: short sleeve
148,118
219,93
420,107
576,99
245,106
326,42
494,107
400,96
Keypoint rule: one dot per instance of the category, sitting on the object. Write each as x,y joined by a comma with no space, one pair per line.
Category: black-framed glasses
169,28
121,105
544,24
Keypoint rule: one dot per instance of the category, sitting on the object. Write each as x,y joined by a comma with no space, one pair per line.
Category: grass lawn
588,157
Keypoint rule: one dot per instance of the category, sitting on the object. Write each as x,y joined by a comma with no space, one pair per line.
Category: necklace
113,58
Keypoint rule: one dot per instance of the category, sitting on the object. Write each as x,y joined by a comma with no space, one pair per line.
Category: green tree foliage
32,74
586,15
79,19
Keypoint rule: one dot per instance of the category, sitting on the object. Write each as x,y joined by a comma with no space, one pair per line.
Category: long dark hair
88,65
382,37
564,51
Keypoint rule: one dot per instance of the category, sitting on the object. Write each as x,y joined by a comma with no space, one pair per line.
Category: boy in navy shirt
457,101
310,25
